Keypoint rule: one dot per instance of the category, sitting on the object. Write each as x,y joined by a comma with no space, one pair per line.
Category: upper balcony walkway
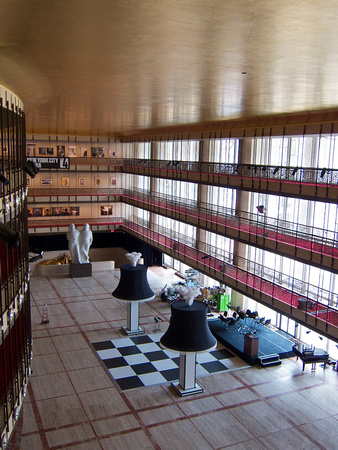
309,245
306,183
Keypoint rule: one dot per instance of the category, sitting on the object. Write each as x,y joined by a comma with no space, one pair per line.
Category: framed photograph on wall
50,151
65,181
47,212
97,182
97,152
61,151
30,151
42,151
46,181
74,210
56,211
111,152
84,151
81,181
72,151
29,181
113,181
106,210
65,211
37,212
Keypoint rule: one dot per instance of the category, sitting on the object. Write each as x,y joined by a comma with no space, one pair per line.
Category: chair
267,322
225,322
233,322
259,321
253,315
241,319
241,315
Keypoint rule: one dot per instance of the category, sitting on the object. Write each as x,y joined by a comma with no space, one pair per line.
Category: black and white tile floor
139,361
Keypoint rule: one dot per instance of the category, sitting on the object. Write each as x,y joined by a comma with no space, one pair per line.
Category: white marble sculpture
133,257
73,243
189,293
85,241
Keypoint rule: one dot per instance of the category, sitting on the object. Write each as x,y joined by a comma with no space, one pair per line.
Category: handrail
289,232
216,213
220,257
312,175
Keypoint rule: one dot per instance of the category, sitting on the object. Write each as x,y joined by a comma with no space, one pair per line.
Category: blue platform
270,341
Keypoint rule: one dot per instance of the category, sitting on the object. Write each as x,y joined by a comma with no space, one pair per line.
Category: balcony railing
255,277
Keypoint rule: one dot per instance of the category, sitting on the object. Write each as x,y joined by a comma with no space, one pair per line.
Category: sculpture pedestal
133,313
187,376
80,270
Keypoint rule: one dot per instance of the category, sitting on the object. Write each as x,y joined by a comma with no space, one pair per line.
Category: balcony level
262,284
305,183
309,245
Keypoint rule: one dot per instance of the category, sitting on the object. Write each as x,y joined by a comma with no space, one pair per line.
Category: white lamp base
135,332
187,376
197,389
133,328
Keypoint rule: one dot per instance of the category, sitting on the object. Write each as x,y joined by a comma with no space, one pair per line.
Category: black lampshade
188,330
3,179
133,284
7,235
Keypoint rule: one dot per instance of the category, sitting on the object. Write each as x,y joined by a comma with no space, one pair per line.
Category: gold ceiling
113,67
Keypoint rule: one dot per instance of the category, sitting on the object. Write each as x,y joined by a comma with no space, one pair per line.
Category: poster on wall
48,162
106,210
84,151
47,212
30,150
65,182
97,152
34,212
72,151
111,152
46,181
97,181
82,181
62,211
113,182
46,151
54,211
61,151
74,210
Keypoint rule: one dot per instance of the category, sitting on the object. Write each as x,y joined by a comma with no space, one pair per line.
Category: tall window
307,218
142,150
224,151
179,150
223,198
177,189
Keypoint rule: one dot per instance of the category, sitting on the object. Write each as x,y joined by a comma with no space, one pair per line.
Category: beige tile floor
72,403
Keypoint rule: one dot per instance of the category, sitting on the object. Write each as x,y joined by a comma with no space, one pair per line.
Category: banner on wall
49,162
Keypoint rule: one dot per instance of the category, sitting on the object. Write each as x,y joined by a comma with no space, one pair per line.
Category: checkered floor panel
139,361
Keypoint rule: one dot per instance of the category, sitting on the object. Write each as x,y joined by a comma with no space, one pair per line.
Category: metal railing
310,175
218,259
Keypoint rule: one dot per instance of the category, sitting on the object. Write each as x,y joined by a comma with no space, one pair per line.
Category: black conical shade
7,235
133,284
188,330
